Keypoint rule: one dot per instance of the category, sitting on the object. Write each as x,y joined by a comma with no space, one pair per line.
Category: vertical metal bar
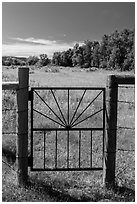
56,146
68,149
44,147
78,106
68,106
79,147
31,143
58,106
91,150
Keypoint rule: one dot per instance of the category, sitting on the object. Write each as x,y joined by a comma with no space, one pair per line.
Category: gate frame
68,128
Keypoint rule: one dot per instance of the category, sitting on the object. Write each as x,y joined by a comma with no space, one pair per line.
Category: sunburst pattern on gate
66,109
69,115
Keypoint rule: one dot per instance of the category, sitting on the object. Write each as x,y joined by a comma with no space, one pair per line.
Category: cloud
32,46
78,42
25,49
35,41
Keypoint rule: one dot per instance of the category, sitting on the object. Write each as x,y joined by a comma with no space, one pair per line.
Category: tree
87,52
95,54
64,59
6,63
129,62
114,59
114,51
77,57
56,60
69,54
43,60
104,50
17,62
32,60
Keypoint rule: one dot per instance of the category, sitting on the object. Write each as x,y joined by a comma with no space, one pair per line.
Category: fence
22,124
22,121
125,151
111,130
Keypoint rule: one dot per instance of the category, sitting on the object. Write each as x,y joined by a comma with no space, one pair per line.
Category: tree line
114,51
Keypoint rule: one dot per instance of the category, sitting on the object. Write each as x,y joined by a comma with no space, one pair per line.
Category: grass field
75,185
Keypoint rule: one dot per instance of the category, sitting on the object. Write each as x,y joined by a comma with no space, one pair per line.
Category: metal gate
67,128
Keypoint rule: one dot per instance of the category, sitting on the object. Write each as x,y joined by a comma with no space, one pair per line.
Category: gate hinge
30,97
30,161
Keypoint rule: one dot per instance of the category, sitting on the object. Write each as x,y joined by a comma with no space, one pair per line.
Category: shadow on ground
117,194
58,196
48,192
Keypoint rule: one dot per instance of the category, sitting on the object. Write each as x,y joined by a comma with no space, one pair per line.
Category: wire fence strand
121,170
125,155
9,165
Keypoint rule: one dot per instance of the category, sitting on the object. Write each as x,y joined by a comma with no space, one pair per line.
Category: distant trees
117,50
8,61
114,51
56,60
40,61
44,60
32,60
62,58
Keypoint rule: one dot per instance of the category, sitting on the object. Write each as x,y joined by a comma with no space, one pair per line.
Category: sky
34,28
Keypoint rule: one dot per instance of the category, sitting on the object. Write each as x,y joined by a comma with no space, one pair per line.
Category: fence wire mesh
125,152
125,148
9,123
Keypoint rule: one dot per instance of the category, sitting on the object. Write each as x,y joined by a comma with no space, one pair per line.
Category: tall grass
75,185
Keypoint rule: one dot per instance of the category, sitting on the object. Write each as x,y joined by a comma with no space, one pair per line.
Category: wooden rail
10,85
126,79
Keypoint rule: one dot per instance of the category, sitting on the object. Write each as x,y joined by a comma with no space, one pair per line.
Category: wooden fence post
22,126
111,133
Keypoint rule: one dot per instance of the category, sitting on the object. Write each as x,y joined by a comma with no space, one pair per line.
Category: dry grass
70,186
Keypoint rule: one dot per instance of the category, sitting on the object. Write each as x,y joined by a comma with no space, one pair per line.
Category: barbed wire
127,87
128,102
126,128
120,101
9,112
9,109
126,150
4,111
8,133
120,170
9,165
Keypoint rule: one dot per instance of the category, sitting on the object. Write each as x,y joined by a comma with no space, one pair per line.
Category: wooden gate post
111,133
22,126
